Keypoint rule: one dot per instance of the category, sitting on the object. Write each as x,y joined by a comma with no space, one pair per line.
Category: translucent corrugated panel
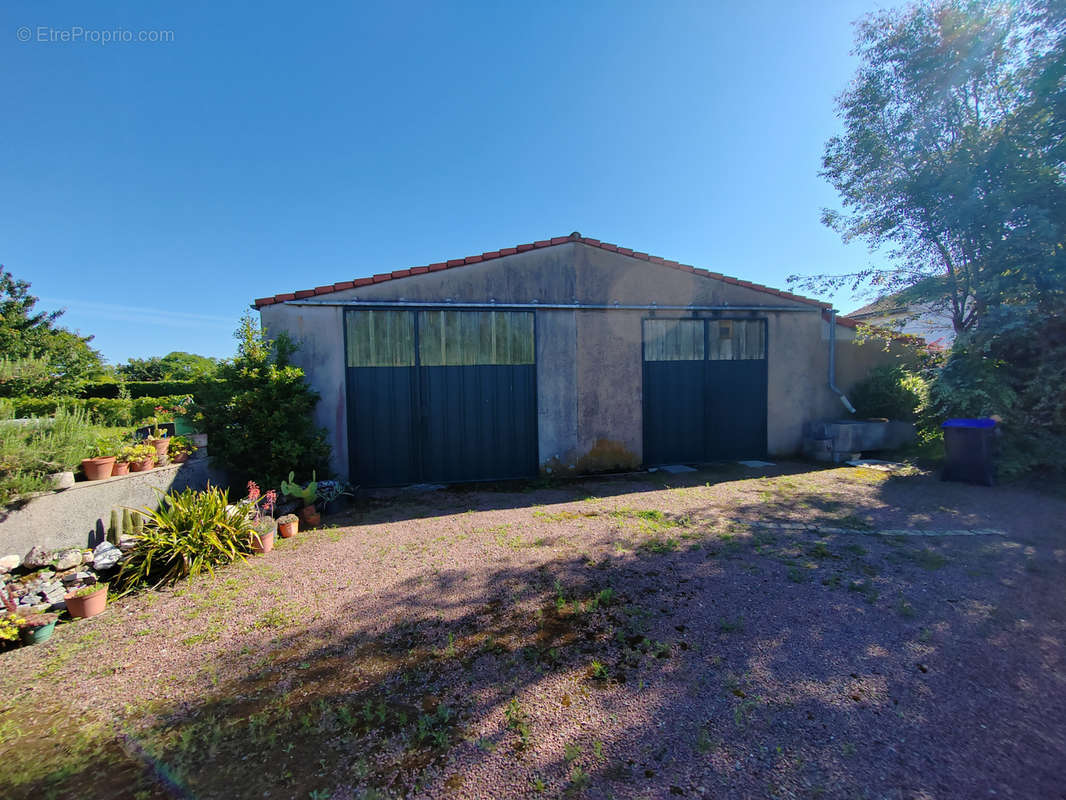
673,340
380,338
736,339
466,338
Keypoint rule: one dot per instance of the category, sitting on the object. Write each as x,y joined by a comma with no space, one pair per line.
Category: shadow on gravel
378,506
735,666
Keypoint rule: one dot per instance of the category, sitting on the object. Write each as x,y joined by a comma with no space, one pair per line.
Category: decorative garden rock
86,578
37,557
8,563
68,559
106,556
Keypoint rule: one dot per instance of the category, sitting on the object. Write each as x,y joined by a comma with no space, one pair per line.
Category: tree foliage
952,163
176,366
258,415
39,358
952,157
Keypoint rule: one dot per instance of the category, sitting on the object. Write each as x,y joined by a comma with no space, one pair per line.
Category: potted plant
180,449
305,494
261,511
101,462
329,493
157,436
288,526
140,457
182,411
122,462
37,628
88,601
263,537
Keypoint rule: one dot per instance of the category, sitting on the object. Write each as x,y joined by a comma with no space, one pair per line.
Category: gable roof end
522,248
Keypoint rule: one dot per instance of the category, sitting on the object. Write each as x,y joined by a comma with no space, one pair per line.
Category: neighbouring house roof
889,304
522,248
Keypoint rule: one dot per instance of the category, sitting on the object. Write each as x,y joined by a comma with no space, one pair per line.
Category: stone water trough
847,439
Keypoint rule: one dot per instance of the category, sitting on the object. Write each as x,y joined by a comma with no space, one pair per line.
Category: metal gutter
535,305
833,361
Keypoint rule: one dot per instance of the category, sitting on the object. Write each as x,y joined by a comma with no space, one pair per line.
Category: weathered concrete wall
854,360
610,391
320,335
557,384
79,516
589,368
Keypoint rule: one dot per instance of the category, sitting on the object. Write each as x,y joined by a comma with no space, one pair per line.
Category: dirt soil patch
628,637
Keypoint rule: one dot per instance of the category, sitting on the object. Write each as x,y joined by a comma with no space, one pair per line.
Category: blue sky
155,188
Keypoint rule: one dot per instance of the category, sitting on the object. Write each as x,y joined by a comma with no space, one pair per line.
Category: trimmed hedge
112,412
138,389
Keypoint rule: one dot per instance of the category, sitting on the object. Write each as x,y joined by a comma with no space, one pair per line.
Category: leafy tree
174,366
952,162
951,159
258,415
40,358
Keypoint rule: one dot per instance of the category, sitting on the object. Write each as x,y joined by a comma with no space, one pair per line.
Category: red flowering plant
163,414
262,504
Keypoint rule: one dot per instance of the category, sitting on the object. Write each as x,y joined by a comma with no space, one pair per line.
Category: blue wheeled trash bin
969,446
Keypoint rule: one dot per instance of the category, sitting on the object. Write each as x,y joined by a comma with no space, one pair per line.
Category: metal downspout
833,361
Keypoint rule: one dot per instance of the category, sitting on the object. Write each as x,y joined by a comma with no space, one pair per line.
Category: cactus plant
306,494
114,529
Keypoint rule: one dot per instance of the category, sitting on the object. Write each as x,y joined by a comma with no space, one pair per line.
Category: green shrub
138,389
258,415
1013,367
191,532
889,392
116,412
30,451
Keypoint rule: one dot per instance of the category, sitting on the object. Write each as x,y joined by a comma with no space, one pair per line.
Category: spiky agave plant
191,532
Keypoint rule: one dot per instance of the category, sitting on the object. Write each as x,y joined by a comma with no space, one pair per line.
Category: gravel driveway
727,633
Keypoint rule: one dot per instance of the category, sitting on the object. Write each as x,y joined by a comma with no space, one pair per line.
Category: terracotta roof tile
522,248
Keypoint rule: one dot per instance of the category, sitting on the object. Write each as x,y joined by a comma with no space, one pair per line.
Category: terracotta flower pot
161,446
262,542
142,466
288,529
87,605
309,516
97,469
121,468
179,459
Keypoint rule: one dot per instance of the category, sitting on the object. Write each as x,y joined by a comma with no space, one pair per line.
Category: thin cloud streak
156,316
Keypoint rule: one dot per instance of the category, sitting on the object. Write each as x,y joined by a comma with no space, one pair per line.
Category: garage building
567,355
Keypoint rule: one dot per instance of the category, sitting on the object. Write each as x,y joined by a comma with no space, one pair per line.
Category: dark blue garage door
705,388
440,396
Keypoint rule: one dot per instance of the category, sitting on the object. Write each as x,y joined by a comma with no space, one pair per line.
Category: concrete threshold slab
675,469
875,463
756,463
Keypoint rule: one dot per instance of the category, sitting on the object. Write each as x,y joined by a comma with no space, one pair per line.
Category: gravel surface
626,637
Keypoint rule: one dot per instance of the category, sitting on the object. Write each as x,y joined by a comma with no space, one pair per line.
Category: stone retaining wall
79,516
